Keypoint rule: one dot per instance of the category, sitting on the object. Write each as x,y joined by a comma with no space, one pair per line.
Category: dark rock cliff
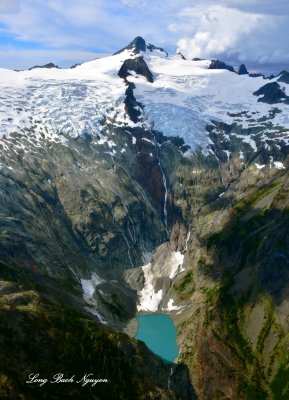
217,64
137,65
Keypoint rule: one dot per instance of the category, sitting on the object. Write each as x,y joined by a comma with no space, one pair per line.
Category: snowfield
184,97
72,101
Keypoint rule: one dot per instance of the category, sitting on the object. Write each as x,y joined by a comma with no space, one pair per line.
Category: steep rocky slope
144,182
44,336
235,335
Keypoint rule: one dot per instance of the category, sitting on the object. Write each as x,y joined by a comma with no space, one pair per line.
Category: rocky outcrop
284,77
103,220
272,94
75,65
51,337
132,107
217,64
242,70
139,44
152,48
49,65
136,65
256,75
136,46
238,322
181,55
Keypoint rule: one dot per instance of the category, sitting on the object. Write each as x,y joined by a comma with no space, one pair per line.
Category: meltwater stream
159,334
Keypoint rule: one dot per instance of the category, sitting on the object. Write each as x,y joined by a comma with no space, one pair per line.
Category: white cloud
67,23
215,30
83,13
89,24
249,34
242,30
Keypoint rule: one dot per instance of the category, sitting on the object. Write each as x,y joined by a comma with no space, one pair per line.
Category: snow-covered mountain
145,182
182,98
63,130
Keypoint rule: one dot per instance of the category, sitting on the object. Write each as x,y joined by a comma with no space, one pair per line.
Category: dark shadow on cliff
249,263
254,238
44,332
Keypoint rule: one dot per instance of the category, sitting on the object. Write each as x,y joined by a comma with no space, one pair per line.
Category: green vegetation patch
253,198
251,386
280,383
230,318
185,286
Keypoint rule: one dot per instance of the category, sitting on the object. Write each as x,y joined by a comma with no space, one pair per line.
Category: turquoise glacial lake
159,334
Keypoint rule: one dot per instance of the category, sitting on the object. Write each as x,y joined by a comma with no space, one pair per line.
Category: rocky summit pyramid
145,183
137,45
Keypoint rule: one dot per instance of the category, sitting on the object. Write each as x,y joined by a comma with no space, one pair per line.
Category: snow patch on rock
149,299
258,166
165,264
171,307
88,287
279,165
177,259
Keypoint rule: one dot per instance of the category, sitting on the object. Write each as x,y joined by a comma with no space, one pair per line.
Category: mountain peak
138,45
49,66
242,70
217,64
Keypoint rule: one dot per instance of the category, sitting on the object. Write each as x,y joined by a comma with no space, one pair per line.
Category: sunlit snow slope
55,101
184,99
186,95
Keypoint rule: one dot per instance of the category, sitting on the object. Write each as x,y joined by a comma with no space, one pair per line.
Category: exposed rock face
181,55
217,64
75,65
49,65
137,45
284,77
242,70
91,222
238,322
84,214
152,48
272,93
53,338
132,107
256,75
137,65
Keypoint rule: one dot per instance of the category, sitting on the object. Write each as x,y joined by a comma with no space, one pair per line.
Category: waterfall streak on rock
165,198
170,377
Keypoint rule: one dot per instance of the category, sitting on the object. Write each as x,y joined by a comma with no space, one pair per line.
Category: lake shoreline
159,333
131,328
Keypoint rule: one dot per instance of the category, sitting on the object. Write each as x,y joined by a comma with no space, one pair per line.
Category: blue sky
68,31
